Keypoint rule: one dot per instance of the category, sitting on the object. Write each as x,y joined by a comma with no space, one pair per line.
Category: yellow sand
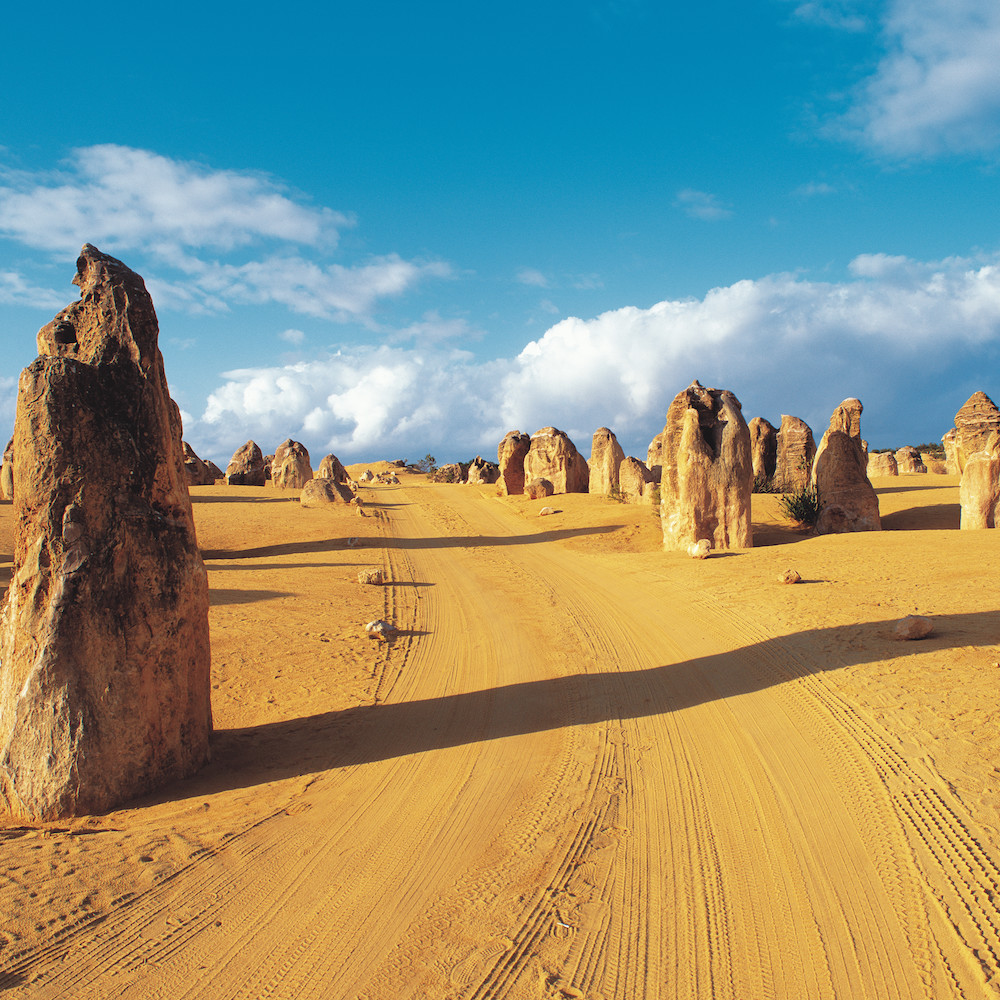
585,767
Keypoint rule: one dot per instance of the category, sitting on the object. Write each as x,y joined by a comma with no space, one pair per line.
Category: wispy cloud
16,290
293,336
533,277
814,189
841,14
701,205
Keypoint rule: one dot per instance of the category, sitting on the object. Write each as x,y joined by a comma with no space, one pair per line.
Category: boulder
933,463
606,457
450,473
979,492
483,473
840,476
321,492
654,457
104,644
635,482
707,471
247,467
882,463
538,489
974,423
908,461
796,451
215,471
198,472
291,469
367,476
763,448
790,576
510,460
7,472
554,457
701,549
914,627
331,468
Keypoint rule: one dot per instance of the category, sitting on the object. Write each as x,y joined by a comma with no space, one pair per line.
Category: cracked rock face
104,646
290,468
553,456
246,467
606,457
510,460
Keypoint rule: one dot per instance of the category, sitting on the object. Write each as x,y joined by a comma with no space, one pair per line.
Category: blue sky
389,229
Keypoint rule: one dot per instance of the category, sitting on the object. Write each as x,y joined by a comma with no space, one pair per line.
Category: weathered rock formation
268,459
291,469
246,467
7,472
538,489
104,646
707,471
882,463
635,481
654,457
215,471
198,472
974,422
606,457
323,491
510,459
950,443
554,457
450,473
979,492
908,461
840,476
482,473
796,451
763,448
332,468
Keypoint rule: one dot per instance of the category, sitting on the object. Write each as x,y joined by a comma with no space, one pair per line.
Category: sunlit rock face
707,471
291,468
606,457
763,448
554,457
978,418
104,646
979,492
510,459
795,453
247,467
635,482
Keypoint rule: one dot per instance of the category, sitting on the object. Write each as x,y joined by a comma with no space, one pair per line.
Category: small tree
427,464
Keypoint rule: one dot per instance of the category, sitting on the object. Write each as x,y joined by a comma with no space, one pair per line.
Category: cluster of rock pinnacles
104,644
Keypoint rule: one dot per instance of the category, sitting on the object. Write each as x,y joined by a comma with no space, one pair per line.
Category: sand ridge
584,768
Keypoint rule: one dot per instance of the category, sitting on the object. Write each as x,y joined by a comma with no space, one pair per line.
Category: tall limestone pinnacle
104,645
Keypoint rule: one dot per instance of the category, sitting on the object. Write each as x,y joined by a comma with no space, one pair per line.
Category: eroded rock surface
291,468
325,490
7,472
554,457
482,473
538,489
198,472
104,646
979,492
796,451
635,482
510,459
606,457
763,448
707,471
332,468
654,457
909,462
247,467
882,463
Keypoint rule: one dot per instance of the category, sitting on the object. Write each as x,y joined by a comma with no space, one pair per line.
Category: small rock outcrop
450,473
606,457
291,468
198,472
796,451
763,448
790,576
7,472
978,418
554,457
104,646
909,462
840,475
882,463
332,468
268,459
246,467
510,460
635,482
707,471
979,492
325,491
482,473
538,489
654,457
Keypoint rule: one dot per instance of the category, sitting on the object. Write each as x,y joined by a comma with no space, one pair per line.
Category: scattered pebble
546,510
789,576
701,549
371,576
380,629
914,627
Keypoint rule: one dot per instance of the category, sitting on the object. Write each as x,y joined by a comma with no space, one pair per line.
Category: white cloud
293,336
840,14
701,205
530,276
937,89
781,343
814,189
433,328
16,290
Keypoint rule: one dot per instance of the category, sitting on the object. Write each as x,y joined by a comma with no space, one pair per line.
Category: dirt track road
578,781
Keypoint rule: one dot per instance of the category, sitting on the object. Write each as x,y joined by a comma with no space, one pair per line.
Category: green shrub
764,484
802,506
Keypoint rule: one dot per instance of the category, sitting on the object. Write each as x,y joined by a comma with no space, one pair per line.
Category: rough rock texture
554,457
701,549
707,471
7,472
216,472
268,459
321,492
104,647
796,451
882,463
979,492
790,576
538,489
914,627
908,461
451,473
635,481
840,476
483,473
763,448
950,442
332,468
510,458
974,423
246,467
291,469
933,463
198,472
606,457
654,457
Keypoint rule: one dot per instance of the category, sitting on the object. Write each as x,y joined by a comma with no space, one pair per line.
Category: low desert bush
802,506
764,484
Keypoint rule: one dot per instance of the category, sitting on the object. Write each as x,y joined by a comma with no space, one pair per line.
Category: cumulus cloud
937,89
701,205
782,343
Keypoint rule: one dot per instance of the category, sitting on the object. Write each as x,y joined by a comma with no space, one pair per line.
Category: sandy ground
584,768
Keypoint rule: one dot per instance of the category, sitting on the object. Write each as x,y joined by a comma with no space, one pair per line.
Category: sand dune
584,768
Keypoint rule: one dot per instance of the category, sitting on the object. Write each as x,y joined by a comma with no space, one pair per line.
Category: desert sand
584,767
